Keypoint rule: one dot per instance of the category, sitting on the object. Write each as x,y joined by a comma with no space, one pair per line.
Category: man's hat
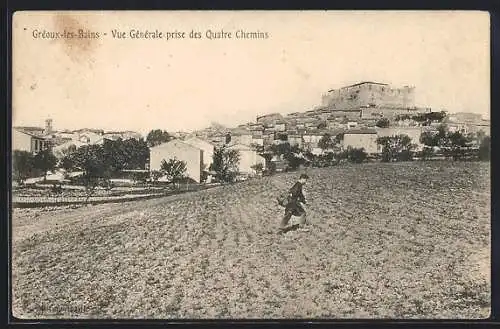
304,176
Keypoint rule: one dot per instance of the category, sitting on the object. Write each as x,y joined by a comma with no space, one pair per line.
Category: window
36,145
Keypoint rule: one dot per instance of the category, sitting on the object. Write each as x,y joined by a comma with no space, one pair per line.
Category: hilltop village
355,116
360,112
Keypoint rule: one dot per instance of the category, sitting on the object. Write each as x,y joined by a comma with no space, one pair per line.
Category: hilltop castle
369,94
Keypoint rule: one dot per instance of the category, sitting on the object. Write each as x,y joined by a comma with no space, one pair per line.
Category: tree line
455,145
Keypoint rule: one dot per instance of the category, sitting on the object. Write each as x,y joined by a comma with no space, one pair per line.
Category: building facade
208,149
413,132
248,159
25,141
176,149
365,138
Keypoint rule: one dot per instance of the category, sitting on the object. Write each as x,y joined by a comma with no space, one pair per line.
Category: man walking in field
295,205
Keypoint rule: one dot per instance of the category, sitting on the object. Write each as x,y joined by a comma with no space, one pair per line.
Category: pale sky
186,84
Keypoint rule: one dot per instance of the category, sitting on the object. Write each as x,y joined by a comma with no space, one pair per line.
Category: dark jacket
296,194
293,207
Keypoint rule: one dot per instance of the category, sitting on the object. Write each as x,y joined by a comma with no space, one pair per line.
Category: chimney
48,127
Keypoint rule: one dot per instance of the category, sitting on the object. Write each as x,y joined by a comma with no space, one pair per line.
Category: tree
459,145
157,137
282,136
138,153
326,142
280,149
45,161
339,138
429,139
457,139
294,157
155,175
114,155
259,168
322,125
383,123
67,163
402,117
427,118
22,165
225,164
397,148
91,160
439,138
257,147
174,169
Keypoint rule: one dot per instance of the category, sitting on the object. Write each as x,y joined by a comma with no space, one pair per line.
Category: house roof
314,133
241,147
175,142
195,141
361,131
67,144
239,131
30,133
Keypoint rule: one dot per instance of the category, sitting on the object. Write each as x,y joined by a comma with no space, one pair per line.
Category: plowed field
405,240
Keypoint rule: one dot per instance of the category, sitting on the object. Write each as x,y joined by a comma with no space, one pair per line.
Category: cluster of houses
352,111
35,139
197,153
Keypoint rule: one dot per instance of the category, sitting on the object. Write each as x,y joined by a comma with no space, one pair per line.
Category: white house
258,140
176,149
248,158
363,138
244,138
25,141
413,132
208,149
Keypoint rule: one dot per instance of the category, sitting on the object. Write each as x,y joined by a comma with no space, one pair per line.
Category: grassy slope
387,240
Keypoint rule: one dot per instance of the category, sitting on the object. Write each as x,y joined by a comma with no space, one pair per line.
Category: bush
259,168
140,177
426,153
44,161
356,155
484,149
22,166
383,123
343,155
404,155
270,169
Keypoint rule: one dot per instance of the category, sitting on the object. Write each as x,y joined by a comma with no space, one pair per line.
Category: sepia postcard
250,165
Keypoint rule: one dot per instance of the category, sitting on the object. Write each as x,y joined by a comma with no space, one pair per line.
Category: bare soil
403,240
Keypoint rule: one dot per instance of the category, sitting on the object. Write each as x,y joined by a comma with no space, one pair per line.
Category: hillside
405,240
